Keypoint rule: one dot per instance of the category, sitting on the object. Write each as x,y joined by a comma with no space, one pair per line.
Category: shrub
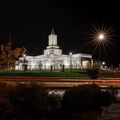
29,101
26,102
85,98
93,73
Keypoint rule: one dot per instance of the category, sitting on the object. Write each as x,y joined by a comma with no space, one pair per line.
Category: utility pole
70,63
9,47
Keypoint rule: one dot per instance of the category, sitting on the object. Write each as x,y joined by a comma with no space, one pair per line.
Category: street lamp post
103,65
70,62
24,62
101,39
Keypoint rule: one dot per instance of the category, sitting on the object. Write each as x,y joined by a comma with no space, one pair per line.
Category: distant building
53,58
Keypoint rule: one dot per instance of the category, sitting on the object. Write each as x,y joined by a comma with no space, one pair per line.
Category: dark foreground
32,102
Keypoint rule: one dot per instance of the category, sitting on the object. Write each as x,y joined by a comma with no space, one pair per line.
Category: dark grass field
66,73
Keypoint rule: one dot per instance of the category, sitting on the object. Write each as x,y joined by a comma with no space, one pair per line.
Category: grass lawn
42,73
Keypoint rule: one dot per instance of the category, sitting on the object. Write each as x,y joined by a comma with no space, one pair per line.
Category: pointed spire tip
53,32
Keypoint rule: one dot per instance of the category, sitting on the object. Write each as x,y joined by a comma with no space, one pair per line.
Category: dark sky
30,22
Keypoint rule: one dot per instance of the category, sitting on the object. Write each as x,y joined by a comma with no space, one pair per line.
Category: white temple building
53,58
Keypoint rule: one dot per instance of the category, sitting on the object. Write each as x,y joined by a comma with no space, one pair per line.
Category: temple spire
53,32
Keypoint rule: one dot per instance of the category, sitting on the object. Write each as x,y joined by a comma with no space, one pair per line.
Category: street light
24,62
70,62
24,55
103,65
101,39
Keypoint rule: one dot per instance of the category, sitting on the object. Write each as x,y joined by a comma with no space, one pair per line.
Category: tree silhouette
9,56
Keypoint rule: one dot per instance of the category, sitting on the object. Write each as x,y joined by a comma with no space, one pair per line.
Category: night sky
30,23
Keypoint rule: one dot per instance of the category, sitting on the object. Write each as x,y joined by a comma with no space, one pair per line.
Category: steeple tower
52,48
52,39
53,32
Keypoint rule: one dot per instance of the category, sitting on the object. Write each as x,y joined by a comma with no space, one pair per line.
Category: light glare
101,36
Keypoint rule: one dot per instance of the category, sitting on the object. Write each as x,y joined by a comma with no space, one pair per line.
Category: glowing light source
70,53
101,39
24,55
103,63
101,36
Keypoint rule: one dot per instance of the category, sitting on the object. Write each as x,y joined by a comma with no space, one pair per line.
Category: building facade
53,58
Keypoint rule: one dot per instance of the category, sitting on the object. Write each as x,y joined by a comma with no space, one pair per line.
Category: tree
9,56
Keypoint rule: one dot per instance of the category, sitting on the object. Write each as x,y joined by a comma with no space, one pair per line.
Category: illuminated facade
54,59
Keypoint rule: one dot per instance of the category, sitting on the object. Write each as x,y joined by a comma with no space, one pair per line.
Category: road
58,82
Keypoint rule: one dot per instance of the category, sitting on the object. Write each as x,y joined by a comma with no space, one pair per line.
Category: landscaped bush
85,98
5,105
30,101
93,73
26,102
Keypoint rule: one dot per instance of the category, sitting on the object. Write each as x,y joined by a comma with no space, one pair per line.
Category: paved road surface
60,82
